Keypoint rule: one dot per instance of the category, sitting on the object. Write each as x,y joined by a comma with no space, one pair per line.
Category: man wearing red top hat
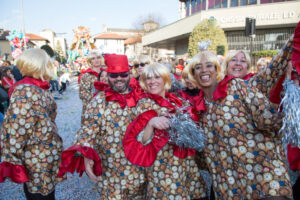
97,149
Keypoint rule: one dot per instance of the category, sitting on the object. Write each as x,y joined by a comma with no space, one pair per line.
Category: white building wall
110,45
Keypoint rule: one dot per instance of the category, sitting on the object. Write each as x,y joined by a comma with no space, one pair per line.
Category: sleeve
263,113
85,88
268,78
85,144
20,118
136,152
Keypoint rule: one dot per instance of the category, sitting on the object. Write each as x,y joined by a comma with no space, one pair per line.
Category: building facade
275,22
57,43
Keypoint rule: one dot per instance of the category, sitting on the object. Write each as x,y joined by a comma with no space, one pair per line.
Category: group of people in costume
124,145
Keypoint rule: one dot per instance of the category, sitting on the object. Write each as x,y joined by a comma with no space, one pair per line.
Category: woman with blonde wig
171,172
86,85
30,144
243,154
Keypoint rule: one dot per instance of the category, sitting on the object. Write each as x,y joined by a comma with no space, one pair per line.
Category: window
234,3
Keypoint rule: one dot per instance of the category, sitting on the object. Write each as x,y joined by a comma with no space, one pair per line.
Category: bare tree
140,20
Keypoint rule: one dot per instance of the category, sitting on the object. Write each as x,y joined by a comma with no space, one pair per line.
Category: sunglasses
123,75
141,64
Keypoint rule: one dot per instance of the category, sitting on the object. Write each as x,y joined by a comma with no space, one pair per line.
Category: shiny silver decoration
291,109
184,132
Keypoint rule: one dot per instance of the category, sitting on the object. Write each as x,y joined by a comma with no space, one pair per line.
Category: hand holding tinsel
291,108
185,132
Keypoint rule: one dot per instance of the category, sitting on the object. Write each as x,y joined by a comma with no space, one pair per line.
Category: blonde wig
262,61
230,55
93,54
156,69
35,63
145,59
186,75
210,58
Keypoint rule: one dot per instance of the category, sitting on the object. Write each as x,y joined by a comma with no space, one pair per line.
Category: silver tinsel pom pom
291,109
176,85
184,132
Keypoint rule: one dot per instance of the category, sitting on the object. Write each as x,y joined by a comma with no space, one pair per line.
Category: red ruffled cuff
183,152
136,152
71,162
293,155
276,90
17,173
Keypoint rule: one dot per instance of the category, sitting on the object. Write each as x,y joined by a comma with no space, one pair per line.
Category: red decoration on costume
186,96
199,102
177,77
183,152
17,173
70,162
116,63
100,86
167,101
136,152
124,100
248,76
293,155
90,71
31,81
296,49
221,90
180,67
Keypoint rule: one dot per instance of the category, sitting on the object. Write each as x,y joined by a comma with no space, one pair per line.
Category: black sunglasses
141,64
123,75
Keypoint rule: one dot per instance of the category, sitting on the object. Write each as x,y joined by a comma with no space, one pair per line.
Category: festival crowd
207,129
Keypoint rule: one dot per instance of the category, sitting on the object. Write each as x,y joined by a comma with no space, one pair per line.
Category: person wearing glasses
30,144
143,60
243,154
86,85
97,149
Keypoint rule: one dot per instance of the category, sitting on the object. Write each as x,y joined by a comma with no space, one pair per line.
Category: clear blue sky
62,16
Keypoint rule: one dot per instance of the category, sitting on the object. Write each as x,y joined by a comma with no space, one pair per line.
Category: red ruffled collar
248,76
100,85
219,93
124,100
167,101
90,71
31,81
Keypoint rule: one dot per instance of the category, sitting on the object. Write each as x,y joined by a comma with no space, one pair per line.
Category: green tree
207,29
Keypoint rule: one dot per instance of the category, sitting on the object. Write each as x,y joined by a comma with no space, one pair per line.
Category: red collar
167,101
90,71
124,100
31,81
221,90
248,76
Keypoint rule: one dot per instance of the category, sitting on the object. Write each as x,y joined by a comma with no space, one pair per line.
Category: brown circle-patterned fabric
171,177
29,137
244,153
86,90
104,125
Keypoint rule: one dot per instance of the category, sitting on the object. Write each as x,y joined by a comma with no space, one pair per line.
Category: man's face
119,82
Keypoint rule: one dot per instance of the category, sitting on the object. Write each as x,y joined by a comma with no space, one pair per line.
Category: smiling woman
239,122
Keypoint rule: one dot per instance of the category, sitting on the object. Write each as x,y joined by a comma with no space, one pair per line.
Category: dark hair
99,75
4,72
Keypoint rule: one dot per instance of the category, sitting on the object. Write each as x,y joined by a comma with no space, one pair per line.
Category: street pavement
68,122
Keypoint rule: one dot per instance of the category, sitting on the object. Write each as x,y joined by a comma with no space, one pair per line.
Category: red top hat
116,63
179,67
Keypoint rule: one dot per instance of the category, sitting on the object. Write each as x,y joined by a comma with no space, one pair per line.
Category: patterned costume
244,153
30,144
172,173
86,88
105,121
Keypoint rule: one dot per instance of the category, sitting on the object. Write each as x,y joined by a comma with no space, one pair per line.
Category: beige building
274,23
57,43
